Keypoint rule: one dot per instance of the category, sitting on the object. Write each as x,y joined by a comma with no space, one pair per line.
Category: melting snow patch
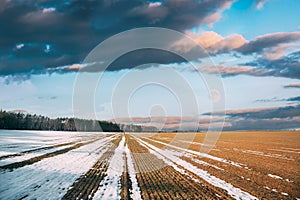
274,190
203,162
135,192
110,186
218,195
267,187
259,153
275,176
57,173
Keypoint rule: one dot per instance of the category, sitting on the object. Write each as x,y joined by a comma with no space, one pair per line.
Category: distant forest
21,121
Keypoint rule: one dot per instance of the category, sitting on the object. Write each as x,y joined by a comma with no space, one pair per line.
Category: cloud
294,99
279,51
260,4
273,118
55,36
275,99
264,124
59,33
214,17
261,43
287,66
269,46
154,4
227,44
232,70
262,113
296,85
212,42
48,10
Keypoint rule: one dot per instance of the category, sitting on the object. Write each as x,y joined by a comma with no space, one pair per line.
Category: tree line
21,121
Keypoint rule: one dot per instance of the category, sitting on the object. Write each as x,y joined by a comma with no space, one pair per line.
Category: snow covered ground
58,172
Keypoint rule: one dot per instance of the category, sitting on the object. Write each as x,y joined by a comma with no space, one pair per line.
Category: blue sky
255,45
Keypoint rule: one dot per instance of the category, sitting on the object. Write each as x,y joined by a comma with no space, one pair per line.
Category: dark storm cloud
263,118
38,35
268,41
263,124
294,99
263,113
287,66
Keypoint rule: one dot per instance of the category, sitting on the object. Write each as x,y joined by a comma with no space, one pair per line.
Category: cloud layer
274,118
55,36
296,85
37,35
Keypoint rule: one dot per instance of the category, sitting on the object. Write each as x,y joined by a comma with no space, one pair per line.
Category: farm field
77,165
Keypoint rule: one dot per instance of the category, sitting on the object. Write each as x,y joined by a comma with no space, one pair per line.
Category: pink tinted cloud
295,85
233,70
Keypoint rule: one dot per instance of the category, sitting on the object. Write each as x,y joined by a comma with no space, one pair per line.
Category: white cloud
260,3
49,10
154,4
19,46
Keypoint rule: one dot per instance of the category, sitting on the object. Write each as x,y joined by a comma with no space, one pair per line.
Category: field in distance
77,165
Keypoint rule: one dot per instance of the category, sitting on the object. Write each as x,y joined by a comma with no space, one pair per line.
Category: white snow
110,186
201,162
30,155
293,149
135,192
285,151
168,156
259,153
288,180
15,141
275,176
274,190
51,177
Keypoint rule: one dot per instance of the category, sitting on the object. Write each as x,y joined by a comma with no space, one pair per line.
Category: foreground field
65,165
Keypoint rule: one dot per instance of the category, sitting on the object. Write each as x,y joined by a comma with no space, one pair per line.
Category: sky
242,73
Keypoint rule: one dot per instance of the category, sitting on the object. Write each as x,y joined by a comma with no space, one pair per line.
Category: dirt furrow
125,181
165,182
86,185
